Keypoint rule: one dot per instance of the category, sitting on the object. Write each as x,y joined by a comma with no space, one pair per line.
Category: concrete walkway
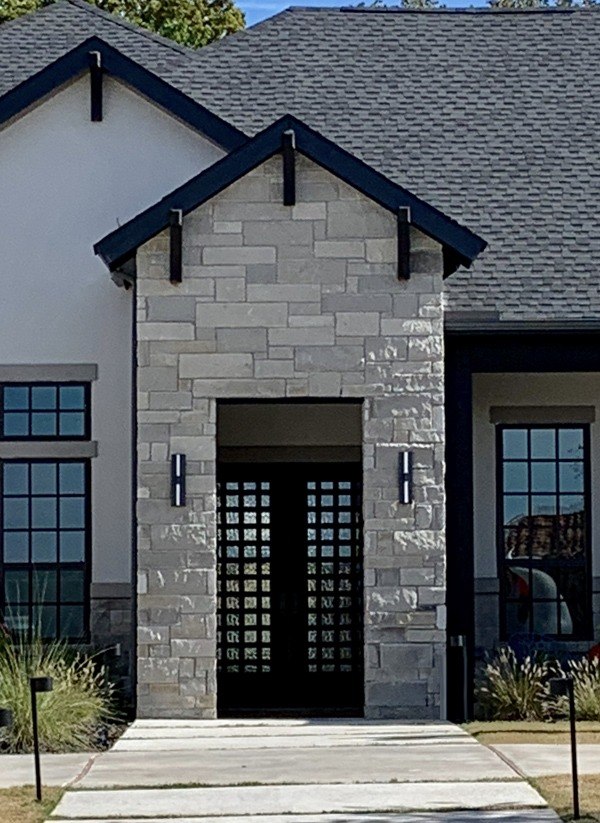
540,759
57,769
300,772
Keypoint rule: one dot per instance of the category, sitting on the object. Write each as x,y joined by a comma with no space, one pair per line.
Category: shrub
510,689
69,716
586,679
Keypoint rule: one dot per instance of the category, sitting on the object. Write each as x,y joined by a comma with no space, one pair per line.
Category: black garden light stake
561,687
37,685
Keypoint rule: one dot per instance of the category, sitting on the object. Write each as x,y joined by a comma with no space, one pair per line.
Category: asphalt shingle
492,116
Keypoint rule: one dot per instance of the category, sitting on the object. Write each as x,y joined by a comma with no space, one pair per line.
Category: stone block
237,255
241,315
339,248
261,273
314,336
215,365
357,324
334,358
231,289
397,694
242,340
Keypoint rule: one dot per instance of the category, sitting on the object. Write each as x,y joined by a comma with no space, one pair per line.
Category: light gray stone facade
291,302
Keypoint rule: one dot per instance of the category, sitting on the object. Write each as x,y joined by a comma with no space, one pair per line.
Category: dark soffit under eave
116,64
461,245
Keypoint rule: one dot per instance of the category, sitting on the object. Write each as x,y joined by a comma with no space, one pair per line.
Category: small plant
586,680
69,716
510,689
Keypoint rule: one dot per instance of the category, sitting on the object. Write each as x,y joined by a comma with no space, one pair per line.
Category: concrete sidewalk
57,769
540,759
283,771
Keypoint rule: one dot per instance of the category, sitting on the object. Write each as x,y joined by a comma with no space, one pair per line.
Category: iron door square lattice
290,574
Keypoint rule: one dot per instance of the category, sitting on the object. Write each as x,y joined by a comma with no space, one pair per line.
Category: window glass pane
16,547
543,443
72,513
43,397
43,512
44,620
16,478
516,507
543,504
571,477
545,616
71,586
515,477
570,443
43,478
72,424
543,477
16,586
72,478
43,424
16,618
72,397
71,621
44,585
43,547
72,547
16,397
571,536
16,513
570,503
514,443
16,424
542,536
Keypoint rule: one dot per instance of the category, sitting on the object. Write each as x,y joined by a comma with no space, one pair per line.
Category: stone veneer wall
280,302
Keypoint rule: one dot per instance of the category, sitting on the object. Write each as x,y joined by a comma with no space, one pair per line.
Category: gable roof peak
461,246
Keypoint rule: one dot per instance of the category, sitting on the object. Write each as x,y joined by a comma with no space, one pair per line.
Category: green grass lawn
523,731
20,806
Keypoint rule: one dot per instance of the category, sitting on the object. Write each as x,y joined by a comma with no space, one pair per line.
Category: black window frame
85,565
586,633
58,384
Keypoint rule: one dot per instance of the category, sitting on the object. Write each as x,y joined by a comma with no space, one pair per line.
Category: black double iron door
290,589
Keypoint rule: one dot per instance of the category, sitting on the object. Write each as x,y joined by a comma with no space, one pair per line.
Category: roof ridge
470,10
91,8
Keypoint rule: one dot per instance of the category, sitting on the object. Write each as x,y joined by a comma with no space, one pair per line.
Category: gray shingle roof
492,116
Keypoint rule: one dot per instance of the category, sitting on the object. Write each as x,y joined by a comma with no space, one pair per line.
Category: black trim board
76,62
462,244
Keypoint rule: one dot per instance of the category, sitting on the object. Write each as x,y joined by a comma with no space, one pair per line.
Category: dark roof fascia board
122,242
115,63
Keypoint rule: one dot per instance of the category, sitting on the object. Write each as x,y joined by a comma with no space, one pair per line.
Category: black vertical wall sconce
403,243
178,479
95,64
405,481
175,245
288,152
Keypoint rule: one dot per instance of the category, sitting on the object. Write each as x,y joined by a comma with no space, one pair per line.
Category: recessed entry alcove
290,567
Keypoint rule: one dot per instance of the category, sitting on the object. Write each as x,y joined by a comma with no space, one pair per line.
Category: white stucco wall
523,390
66,182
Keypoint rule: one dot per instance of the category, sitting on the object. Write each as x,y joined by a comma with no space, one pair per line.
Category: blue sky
257,10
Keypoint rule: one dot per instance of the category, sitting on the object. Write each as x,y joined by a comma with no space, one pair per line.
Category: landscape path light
37,686
565,687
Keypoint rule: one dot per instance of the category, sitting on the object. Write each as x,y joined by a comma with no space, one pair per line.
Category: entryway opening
290,559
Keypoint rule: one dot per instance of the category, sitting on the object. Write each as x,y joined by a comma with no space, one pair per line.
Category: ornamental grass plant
586,679
510,689
71,714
